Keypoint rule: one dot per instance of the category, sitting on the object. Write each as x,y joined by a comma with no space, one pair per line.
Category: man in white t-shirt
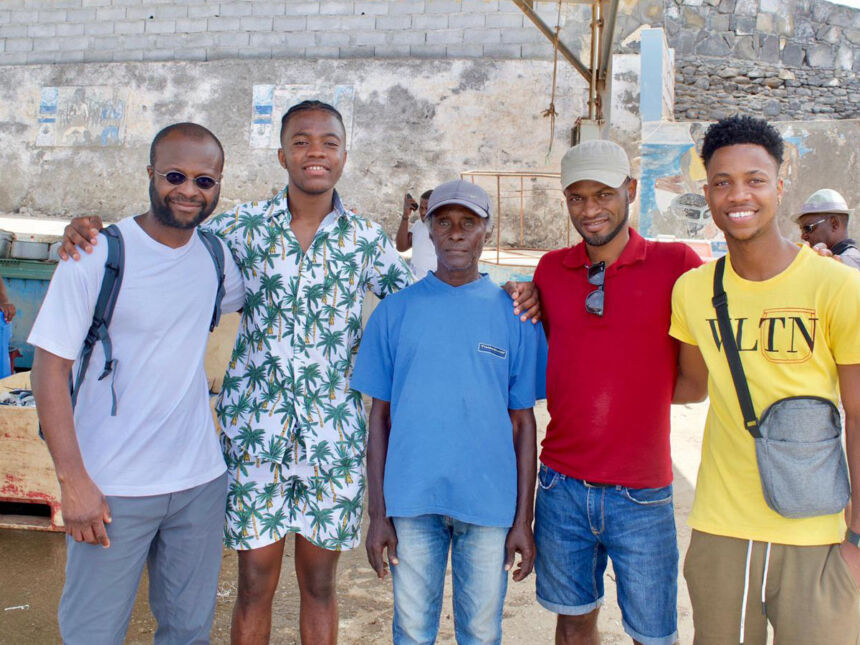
148,483
417,236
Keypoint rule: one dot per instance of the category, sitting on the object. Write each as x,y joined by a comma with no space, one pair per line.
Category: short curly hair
739,129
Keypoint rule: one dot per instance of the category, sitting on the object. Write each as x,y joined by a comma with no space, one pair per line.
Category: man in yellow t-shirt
795,319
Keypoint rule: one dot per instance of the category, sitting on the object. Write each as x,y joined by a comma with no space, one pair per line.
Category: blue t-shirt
452,361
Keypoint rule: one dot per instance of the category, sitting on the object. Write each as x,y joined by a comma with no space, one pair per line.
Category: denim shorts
578,525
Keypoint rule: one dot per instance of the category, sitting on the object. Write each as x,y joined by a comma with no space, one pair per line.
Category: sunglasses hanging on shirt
594,300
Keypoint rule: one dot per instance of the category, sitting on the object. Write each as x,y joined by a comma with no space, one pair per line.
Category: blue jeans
480,579
578,525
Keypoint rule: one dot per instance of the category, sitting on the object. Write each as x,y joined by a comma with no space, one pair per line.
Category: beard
600,240
162,212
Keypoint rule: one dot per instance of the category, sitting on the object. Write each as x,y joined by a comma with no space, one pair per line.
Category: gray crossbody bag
798,440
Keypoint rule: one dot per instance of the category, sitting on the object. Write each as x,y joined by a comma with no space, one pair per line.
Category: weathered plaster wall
818,154
414,124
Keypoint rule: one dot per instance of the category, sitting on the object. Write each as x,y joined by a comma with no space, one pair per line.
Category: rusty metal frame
527,7
470,175
602,33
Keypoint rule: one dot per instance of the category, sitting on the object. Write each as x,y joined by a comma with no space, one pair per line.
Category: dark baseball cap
460,193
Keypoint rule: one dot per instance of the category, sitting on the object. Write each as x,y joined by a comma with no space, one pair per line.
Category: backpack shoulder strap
216,250
730,348
103,314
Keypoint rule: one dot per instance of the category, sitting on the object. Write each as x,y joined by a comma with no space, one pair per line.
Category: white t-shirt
162,438
423,251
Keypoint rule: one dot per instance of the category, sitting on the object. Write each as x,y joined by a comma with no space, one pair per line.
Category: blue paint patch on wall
658,160
799,143
719,248
262,107
110,136
651,75
50,97
112,111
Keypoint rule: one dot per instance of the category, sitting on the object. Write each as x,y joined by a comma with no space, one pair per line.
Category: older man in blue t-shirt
452,432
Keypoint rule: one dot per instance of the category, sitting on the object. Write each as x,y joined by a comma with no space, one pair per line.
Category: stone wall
776,92
783,59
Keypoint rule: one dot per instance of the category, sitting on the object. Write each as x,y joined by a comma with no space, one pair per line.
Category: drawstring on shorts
764,580
747,586
746,591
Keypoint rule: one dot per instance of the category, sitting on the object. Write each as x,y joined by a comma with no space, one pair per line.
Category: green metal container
26,284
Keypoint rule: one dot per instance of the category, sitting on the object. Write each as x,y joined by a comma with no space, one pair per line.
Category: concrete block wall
74,31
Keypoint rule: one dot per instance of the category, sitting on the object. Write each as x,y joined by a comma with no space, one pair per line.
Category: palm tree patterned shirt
286,396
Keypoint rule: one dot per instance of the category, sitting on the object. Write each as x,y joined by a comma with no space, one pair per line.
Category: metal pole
595,40
499,223
606,38
522,213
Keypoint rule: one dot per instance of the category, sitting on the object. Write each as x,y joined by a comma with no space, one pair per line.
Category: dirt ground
31,578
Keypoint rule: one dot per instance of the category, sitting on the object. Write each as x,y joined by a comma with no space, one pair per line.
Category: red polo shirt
610,379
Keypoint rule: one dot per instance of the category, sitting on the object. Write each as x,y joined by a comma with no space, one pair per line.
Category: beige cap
596,160
825,200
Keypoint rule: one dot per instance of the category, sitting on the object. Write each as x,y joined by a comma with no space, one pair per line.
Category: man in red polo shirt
606,470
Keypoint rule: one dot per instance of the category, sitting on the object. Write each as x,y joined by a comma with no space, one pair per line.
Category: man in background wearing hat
605,480
451,447
823,221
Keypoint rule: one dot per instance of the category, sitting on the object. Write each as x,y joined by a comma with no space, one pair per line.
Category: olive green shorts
810,596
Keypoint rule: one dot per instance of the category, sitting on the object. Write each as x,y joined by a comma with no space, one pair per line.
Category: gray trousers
179,536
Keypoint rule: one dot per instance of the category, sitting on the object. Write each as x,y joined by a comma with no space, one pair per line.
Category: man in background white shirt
417,236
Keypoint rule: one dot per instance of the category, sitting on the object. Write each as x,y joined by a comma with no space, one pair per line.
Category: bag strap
721,304
102,316
840,247
216,250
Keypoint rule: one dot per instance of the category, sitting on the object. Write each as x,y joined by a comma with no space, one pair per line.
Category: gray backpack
106,302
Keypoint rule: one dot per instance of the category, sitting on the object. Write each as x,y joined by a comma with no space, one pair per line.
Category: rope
551,111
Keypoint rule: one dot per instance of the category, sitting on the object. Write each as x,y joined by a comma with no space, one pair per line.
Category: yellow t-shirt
792,331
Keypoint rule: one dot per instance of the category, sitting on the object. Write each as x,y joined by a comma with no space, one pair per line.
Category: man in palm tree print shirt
292,426
293,430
